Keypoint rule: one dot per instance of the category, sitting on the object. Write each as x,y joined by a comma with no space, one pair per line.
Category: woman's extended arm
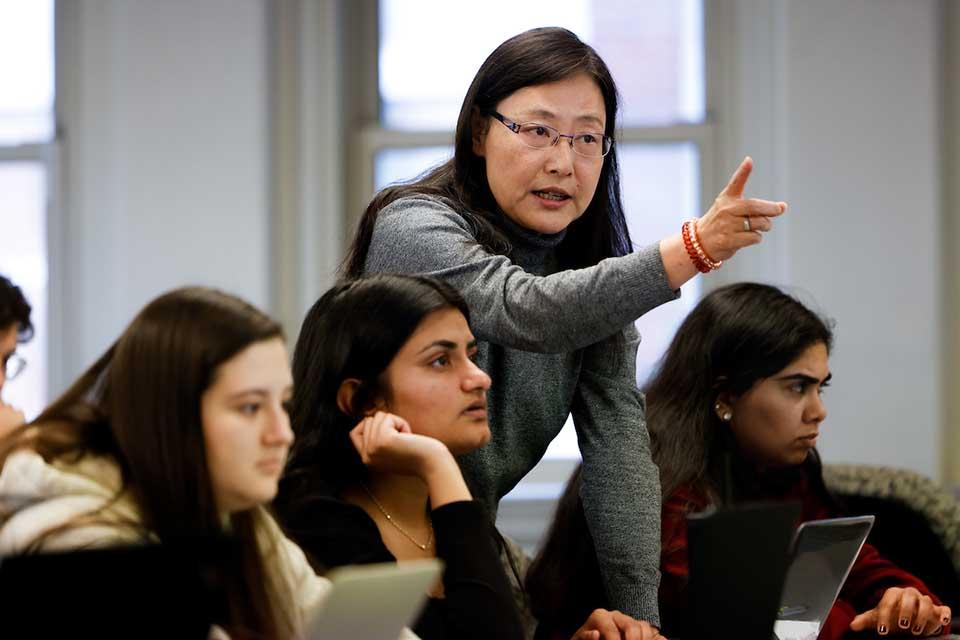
510,306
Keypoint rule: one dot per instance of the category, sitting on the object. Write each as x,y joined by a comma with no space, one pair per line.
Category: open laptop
374,602
822,554
738,561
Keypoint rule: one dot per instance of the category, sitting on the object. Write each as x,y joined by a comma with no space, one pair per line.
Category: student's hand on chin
386,444
904,611
613,625
10,419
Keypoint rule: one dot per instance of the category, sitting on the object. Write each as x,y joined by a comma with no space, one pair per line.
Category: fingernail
918,628
937,631
946,620
904,622
882,629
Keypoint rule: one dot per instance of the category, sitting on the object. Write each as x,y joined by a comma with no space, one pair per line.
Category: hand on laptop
613,625
904,611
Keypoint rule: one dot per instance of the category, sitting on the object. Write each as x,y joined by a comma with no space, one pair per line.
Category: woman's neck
403,497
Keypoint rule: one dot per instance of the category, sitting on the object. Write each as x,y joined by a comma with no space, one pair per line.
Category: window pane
427,58
26,66
661,188
403,164
23,259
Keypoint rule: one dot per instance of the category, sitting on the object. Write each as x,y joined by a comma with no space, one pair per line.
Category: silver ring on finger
746,224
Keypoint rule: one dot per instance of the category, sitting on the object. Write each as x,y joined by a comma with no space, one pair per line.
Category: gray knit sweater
554,343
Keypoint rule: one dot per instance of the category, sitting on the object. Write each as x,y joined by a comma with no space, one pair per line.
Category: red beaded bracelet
698,255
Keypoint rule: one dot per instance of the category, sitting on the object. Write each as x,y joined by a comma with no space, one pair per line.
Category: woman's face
777,421
544,190
435,385
246,429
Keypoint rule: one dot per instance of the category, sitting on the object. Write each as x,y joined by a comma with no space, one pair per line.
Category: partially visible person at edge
15,328
734,413
178,432
387,392
526,221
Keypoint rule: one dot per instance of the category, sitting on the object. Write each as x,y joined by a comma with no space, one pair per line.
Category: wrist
702,260
676,263
444,481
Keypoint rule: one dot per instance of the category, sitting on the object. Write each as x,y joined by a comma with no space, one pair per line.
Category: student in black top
388,392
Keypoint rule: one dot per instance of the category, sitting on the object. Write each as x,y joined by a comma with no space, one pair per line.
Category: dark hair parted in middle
353,331
735,337
534,57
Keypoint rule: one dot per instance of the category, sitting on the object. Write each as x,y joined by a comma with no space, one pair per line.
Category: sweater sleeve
871,576
478,602
621,485
509,306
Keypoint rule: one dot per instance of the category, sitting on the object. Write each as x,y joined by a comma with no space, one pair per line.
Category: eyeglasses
14,366
541,136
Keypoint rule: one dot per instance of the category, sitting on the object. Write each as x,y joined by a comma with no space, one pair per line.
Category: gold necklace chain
396,525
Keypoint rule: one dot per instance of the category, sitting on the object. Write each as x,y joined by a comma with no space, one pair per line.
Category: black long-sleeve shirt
478,602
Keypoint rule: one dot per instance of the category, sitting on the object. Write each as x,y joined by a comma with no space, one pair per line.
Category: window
26,132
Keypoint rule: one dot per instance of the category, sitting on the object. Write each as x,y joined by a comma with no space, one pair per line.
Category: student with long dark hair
734,413
178,433
526,221
388,391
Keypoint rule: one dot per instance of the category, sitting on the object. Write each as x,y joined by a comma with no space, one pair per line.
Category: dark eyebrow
447,344
546,113
804,378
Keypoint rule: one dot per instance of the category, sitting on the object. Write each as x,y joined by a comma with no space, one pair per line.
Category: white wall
163,109
950,119
838,102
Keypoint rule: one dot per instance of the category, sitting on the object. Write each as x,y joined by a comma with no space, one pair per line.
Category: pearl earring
725,415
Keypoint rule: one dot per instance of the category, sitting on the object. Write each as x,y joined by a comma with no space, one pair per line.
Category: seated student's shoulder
64,505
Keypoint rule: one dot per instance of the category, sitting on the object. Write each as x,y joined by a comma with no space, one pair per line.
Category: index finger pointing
739,179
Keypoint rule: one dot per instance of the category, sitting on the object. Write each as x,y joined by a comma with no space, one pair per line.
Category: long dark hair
735,337
353,331
534,57
140,405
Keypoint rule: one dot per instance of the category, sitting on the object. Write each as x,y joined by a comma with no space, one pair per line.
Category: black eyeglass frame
515,127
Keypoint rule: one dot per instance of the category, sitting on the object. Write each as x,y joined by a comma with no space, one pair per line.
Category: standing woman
526,221
178,433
